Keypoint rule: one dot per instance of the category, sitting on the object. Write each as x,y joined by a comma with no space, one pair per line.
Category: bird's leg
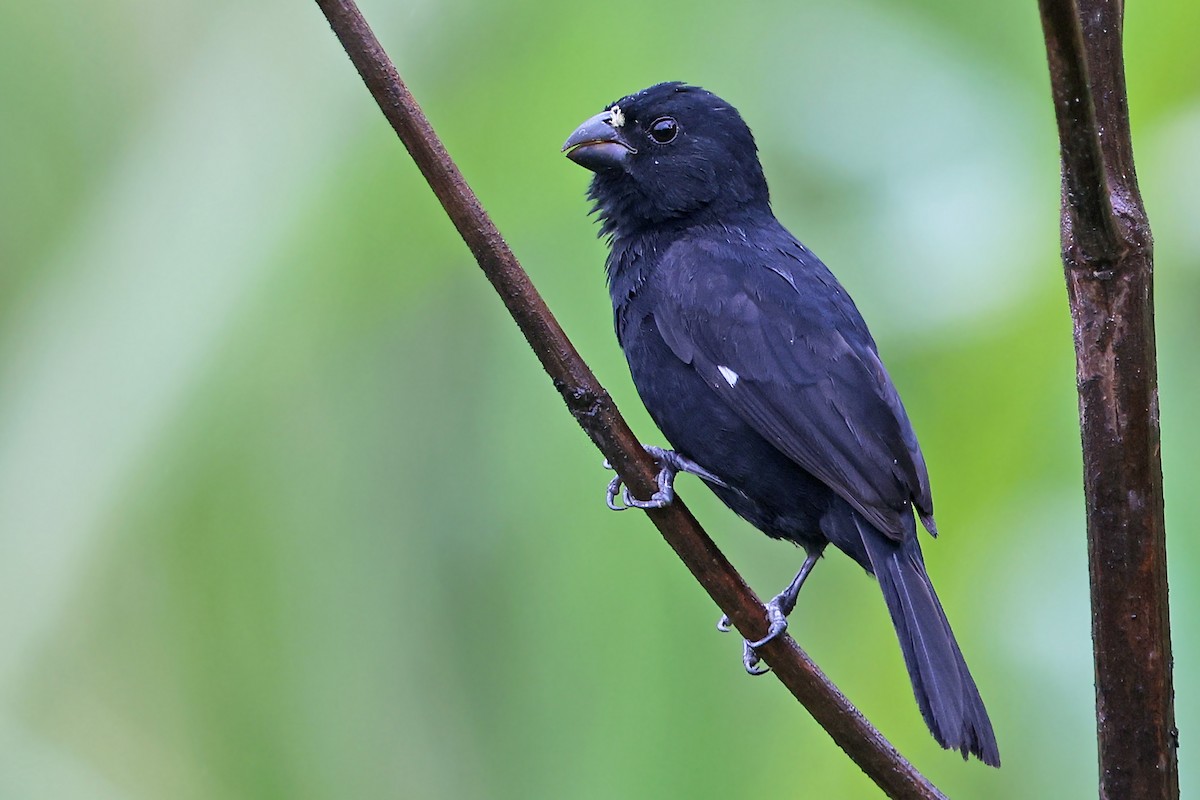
778,609
670,463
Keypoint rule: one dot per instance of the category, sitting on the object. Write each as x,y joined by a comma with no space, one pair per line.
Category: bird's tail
945,691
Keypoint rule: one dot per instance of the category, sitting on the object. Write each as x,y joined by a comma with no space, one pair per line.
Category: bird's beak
598,145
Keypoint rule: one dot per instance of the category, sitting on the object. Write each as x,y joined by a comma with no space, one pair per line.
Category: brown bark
1108,258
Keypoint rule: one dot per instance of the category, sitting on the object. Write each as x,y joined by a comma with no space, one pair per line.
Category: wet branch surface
595,412
1108,259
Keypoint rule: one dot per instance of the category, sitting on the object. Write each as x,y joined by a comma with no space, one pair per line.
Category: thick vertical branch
593,409
1108,258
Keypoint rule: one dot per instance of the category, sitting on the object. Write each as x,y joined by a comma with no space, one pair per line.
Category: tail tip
982,747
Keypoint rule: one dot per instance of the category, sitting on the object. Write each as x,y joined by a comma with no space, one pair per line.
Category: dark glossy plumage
755,364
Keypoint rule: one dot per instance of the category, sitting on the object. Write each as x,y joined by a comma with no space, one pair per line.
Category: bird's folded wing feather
793,358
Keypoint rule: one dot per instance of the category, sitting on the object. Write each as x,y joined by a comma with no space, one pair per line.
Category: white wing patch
729,375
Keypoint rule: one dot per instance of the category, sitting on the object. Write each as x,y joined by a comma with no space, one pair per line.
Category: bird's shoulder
758,281
762,259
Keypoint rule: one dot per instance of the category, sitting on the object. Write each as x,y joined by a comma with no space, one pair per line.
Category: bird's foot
670,464
777,611
750,660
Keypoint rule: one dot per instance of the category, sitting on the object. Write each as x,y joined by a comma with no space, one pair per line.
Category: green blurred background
289,510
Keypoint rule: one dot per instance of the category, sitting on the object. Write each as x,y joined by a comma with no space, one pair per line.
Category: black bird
760,371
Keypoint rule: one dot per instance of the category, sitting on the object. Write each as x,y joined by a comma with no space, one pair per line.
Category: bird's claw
754,665
670,464
776,621
750,659
663,497
614,486
777,624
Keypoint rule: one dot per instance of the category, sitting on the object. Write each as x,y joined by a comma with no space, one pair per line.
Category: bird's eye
664,130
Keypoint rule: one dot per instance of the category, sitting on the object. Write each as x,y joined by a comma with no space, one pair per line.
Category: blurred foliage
288,510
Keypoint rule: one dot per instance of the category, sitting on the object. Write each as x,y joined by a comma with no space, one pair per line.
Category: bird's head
672,152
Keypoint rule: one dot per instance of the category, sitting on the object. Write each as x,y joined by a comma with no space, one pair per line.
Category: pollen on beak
599,142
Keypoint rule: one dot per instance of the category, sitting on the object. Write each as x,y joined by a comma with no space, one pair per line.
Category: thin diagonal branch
1108,258
597,415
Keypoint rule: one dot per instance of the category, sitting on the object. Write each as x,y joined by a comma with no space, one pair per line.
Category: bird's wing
776,337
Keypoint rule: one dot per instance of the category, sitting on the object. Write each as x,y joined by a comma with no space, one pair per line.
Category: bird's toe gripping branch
777,610
777,624
670,464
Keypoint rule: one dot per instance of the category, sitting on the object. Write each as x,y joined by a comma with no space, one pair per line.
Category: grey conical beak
598,144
